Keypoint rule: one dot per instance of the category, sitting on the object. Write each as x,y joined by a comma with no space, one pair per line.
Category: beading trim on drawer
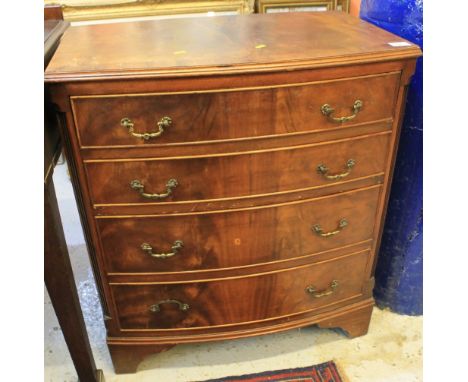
127,122
224,90
248,152
143,216
359,288
216,273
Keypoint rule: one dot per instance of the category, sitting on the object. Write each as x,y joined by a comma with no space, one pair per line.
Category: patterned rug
325,372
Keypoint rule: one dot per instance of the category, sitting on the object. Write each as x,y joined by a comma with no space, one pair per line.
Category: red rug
325,372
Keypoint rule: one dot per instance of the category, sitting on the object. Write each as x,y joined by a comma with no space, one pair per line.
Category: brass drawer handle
156,307
327,110
178,244
317,294
318,229
322,169
170,185
162,124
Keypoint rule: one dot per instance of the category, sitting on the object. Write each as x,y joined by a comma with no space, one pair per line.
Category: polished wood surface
162,277
203,178
245,299
235,203
215,45
224,115
236,238
239,145
246,139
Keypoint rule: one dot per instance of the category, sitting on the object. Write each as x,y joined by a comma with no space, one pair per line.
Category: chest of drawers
232,173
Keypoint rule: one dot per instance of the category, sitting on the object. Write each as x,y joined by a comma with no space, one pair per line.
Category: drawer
230,176
237,238
232,113
208,303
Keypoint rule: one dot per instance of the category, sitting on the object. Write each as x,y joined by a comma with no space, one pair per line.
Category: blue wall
399,268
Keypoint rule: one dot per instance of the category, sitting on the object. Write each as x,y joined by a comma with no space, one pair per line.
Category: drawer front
236,238
227,115
237,175
241,300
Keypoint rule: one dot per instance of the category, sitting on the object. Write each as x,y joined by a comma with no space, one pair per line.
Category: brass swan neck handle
319,231
157,307
327,292
163,123
138,186
327,110
178,244
323,170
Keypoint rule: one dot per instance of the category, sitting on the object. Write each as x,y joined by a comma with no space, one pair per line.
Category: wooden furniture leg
58,273
354,323
62,290
126,358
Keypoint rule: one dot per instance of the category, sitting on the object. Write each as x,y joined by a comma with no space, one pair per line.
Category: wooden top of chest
221,45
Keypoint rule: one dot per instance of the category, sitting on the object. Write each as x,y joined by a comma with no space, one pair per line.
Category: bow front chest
232,173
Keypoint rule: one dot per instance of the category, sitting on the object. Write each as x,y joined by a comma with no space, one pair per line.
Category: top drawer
229,114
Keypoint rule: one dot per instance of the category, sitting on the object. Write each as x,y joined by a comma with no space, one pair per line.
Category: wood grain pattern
220,240
239,300
215,45
235,203
132,347
249,79
236,175
232,114
203,334
222,147
250,119
238,271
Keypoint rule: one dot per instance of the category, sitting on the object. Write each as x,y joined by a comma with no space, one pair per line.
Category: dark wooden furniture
233,172
58,274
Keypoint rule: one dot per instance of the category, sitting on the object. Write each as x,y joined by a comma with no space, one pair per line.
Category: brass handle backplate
318,229
170,185
162,124
322,169
317,294
178,244
327,110
156,307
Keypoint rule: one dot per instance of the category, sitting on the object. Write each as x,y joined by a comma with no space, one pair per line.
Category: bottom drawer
208,303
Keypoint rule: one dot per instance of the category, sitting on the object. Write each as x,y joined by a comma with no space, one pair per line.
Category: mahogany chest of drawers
232,173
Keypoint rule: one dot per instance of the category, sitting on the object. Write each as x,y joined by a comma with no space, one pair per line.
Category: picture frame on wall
81,10
280,6
343,5
276,6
